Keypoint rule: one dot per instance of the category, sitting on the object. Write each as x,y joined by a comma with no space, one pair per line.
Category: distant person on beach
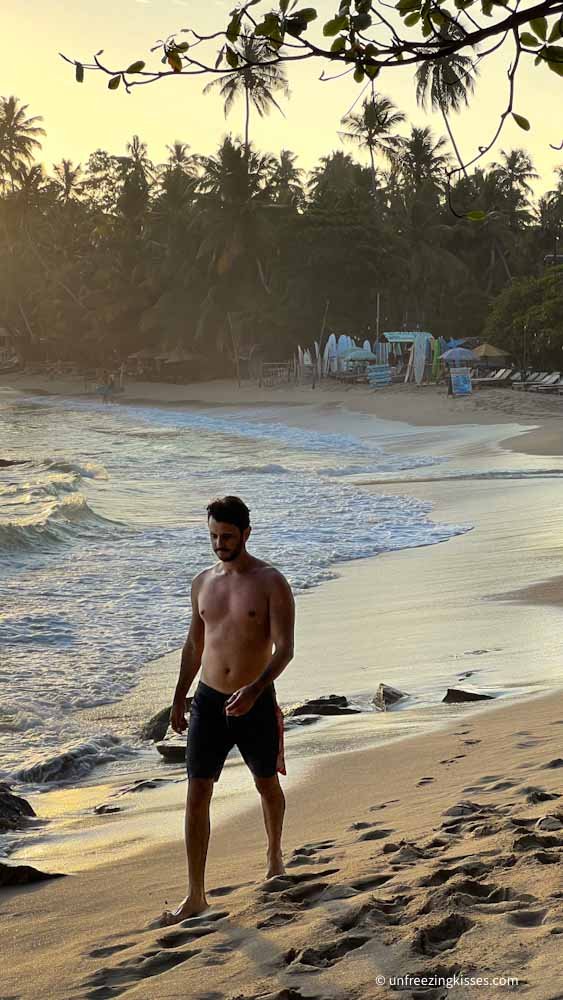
242,609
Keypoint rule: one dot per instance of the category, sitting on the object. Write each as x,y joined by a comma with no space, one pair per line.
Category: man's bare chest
237,603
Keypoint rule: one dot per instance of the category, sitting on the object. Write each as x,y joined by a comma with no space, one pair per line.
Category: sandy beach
437,854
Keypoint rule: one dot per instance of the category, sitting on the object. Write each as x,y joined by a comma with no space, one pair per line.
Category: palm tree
19,137
373,127
423,158
68,181
285,181
338,180
254,82
514,172
448,84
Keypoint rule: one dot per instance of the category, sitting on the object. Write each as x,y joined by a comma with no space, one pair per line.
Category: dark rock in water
157,727
386,696
23,874
332,704
459,694
292,722
5,463
172,751
105,807
15,812
142,785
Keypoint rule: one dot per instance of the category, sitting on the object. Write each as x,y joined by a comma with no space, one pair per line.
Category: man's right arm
191,661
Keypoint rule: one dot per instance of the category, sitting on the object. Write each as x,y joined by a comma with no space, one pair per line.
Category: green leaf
358,74
412,19
339,44
338,24
528,39
539,27
175,62
556,31
405,6
284,4
487,7
233,31
79,73
136,67
521,121
183,47
308,14
476,216
114,83
231,57
362,21
553,56
372,72
270,27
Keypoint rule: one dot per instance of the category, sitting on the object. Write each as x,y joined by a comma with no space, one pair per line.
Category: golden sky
81,118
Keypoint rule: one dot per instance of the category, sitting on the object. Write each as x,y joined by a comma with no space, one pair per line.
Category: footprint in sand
425,781
464,892
282,883
375,834
534,794
277,919
527,918
383,805
326,955
185,935
437,938
112,981
110,949
225,890
471,743
556,762
533,841
383,911
367,882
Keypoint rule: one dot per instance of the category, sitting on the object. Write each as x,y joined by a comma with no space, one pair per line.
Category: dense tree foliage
121,253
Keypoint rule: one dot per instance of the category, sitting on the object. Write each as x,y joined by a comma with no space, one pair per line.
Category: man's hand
241,701
178,716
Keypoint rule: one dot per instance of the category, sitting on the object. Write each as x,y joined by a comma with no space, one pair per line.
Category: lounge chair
547,383
526,382
499,378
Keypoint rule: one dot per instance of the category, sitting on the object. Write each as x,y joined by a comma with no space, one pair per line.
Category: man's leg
273,807
197,828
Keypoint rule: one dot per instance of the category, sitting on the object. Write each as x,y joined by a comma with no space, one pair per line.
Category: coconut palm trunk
452,140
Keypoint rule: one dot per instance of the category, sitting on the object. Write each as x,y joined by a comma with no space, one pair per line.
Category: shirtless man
241,609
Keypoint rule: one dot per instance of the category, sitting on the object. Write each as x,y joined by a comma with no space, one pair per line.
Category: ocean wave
73,760
52,524
270,469
85,470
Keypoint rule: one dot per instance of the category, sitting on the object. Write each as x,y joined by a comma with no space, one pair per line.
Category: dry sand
417,857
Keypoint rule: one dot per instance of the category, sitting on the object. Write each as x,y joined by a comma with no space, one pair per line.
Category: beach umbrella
489,351
458,354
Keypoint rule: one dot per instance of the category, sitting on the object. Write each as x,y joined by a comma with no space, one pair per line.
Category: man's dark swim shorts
212,734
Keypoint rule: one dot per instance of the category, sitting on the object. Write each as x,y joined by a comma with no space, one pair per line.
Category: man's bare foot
189,907
275,866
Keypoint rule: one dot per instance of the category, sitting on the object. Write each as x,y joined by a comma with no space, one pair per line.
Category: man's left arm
282,627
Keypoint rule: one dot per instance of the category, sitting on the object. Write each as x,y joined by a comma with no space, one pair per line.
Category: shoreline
419,406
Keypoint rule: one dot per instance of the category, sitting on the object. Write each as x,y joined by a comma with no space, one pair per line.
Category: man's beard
229,556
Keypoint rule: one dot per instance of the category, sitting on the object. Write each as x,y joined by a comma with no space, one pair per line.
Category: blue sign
461,381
